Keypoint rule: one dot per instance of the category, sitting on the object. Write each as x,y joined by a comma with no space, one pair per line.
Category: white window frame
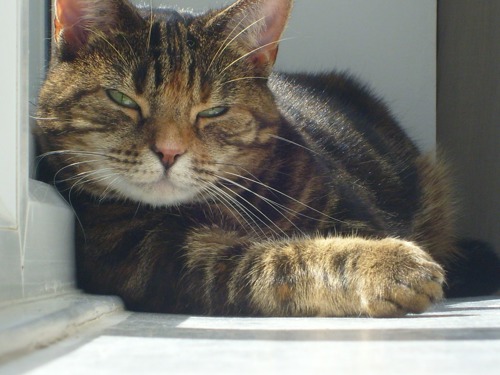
36,226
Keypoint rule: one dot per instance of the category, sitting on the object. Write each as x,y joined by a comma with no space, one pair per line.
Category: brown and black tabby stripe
205,183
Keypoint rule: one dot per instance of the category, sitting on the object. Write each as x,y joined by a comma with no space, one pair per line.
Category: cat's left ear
256,26
76,21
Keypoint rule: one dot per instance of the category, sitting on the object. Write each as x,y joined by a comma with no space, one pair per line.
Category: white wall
389,44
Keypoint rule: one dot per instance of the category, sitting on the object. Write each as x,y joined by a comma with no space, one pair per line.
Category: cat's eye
121,99
213,112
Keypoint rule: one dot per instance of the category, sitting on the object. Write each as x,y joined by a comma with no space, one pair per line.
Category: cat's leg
332,276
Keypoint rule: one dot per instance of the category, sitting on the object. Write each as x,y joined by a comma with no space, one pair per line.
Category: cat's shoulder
332,83
326,92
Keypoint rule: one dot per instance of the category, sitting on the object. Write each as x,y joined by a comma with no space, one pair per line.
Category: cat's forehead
168,15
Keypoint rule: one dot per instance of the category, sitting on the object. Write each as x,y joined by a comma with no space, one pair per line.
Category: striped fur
304,198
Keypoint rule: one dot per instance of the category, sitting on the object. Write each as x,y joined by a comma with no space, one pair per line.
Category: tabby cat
205,183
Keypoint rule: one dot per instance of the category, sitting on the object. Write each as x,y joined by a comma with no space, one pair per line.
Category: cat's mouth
164,191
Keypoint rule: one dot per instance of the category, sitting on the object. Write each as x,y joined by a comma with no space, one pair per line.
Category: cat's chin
160,193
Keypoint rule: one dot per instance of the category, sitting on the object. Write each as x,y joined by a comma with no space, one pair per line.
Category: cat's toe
419,290
408,281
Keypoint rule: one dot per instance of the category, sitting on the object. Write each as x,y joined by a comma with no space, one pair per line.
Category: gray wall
390,44
469,110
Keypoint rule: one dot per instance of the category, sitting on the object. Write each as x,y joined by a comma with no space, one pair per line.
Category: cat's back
354,134
340,115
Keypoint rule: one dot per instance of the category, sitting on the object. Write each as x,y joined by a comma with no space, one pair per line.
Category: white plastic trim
36,225
35,324
9,108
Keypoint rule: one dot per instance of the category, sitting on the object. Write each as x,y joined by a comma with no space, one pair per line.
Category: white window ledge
37,259
34,324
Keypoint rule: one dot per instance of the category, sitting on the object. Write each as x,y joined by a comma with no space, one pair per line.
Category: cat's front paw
397,278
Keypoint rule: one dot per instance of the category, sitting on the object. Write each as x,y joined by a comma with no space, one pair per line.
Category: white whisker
252,205
288,197
238,208
255,180
83,177
73,153
268,201
252,51
243,78
224,45
104,194
44,118
103,37
294,143
74,177
235,37
151,18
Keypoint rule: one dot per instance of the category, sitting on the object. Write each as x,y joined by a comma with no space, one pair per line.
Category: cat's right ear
77,21
254,28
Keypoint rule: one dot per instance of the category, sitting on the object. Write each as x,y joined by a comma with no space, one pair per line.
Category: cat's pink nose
168,154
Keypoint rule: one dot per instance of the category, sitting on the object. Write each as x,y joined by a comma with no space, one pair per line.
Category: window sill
37,323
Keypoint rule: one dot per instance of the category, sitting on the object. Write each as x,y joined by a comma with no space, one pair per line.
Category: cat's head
158,105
